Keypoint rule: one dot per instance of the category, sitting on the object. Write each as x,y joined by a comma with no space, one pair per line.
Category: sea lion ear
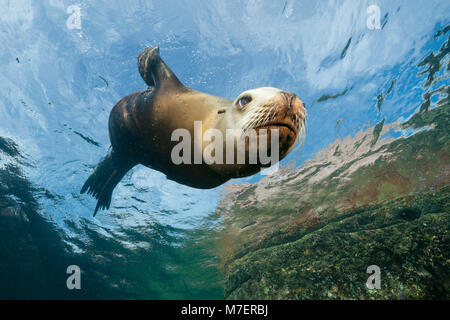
153,69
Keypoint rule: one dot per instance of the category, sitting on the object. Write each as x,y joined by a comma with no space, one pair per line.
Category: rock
411,247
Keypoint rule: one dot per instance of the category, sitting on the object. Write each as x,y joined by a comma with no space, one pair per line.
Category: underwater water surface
64,64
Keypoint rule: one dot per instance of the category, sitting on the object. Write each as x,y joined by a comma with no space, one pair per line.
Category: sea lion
142,127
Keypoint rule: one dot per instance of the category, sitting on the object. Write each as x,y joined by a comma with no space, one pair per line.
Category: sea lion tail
105,177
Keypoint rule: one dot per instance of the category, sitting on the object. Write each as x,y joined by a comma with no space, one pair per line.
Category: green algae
330,262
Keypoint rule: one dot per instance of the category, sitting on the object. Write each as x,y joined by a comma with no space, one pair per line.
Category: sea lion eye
242,102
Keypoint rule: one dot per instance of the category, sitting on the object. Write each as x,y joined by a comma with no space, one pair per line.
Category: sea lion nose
290,99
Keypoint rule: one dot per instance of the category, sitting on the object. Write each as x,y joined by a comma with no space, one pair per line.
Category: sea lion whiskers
254,118
260,117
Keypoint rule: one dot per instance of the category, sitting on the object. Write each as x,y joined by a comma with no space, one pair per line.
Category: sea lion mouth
285,124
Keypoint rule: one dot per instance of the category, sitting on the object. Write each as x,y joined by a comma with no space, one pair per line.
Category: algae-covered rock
407,238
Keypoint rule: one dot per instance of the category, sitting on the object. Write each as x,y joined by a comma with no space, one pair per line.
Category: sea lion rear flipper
104,179
153,69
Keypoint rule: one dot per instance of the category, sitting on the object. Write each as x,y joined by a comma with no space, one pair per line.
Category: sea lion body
142,124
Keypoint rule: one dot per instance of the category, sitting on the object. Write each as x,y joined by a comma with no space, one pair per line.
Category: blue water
58,84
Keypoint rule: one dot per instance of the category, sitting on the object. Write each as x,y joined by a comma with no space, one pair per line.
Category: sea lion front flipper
153,69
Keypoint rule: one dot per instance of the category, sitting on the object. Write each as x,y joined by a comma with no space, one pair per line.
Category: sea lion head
271,108
263,110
